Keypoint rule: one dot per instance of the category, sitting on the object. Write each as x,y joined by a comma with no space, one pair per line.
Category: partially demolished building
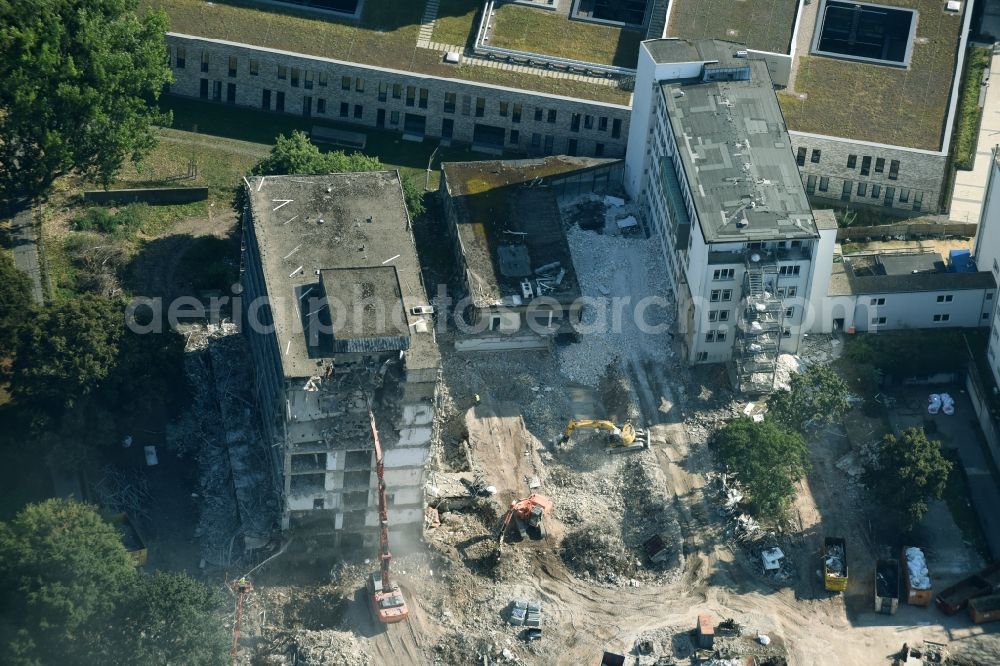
510,244
331,305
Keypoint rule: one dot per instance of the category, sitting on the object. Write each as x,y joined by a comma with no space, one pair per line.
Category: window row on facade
936,319
863,192
411,95
867,162
534,143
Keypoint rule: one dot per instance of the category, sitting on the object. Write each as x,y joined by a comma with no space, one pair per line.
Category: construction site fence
151,195
908,231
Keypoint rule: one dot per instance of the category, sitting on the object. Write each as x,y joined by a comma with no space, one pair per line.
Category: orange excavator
527,514
387,601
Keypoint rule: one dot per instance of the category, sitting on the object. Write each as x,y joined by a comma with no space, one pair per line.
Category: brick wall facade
523,121
408,102
916,187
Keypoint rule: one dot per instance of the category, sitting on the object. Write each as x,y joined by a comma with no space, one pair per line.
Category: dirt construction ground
597,589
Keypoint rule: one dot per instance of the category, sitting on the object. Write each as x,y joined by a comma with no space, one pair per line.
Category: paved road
25,248
960,432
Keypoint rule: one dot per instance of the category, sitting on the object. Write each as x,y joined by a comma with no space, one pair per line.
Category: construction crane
625,438
387,601
242,588
527,513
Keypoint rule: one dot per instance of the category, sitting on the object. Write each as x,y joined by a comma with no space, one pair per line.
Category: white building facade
710,161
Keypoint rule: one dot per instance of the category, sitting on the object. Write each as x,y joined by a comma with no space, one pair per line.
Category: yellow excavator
624,438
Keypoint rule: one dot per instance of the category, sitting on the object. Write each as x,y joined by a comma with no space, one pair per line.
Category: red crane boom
387,601
383,512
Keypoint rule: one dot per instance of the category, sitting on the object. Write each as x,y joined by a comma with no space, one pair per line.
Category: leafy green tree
906,474
62,571
815,397
170,618
66,350
148,374
296,154
15,302
80,82
70,594
768,458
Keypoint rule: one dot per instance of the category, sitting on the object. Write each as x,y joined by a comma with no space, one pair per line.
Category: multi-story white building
711,162
987,254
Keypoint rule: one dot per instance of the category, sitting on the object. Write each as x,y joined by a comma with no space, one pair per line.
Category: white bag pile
917,568
947,404
940,402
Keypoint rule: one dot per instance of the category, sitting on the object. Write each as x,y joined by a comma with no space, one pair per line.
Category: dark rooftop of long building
509,226
339,248
902,273
733,145
897,264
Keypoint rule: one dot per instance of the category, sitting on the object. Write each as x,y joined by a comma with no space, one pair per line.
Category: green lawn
867,102
456,21
386,34
765,25
969,111
219,163
540,31
223,142
224,122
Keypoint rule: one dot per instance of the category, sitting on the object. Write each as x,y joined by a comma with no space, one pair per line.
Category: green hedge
969,111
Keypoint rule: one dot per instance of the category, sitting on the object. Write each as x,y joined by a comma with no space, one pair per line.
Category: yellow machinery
133,541
625,438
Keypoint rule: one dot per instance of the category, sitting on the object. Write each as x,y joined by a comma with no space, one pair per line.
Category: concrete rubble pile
788,365
701,425
618,394
762,549
598,553
819,348
199,431
256,495
729,497
618,504
328,648
649,511
602,262
463,649
238,506
663,646
528,379
850,465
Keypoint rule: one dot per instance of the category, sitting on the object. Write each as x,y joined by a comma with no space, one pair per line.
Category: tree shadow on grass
184,265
